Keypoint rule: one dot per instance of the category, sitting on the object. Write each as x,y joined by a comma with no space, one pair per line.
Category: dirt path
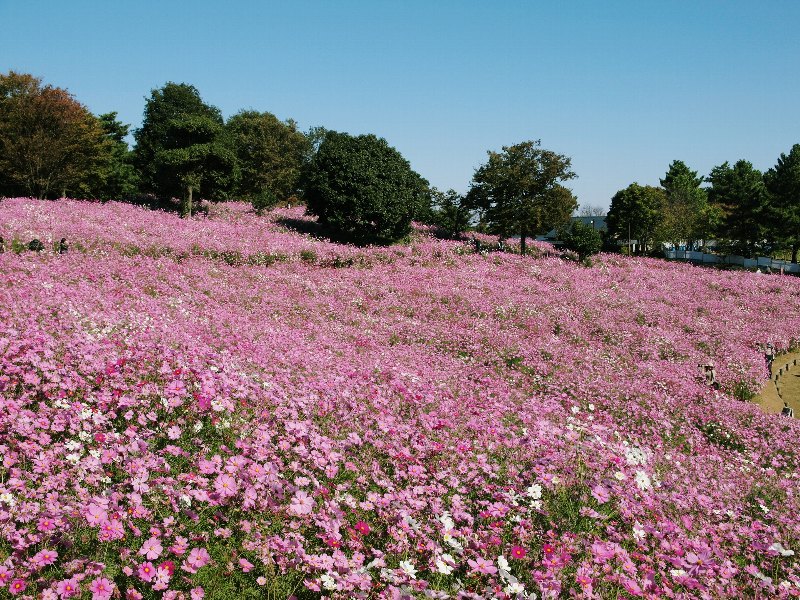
783,385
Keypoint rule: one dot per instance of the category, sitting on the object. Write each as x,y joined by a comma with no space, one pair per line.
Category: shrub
362,189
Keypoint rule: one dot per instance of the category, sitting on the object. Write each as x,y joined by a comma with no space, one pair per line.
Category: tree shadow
320,232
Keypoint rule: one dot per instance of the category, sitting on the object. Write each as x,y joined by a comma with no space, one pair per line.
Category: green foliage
783,184
581,238
717,434
740,195
362,189
449,212
50,144
179,149
269,153
263,200
635,213
519,191
685,215
119,179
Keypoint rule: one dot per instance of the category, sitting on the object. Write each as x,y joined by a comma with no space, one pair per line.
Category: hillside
226,403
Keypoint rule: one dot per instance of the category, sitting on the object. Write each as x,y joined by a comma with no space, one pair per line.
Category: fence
761,262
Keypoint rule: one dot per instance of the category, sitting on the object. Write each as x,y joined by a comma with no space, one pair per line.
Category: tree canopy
739,193
783,184
362,189
179,150
685,215
270,154
519,190
635,214
50,144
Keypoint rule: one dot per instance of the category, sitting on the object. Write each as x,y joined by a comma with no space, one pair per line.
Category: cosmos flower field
225,407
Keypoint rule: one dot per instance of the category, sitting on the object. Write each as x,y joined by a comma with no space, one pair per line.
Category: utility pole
629,236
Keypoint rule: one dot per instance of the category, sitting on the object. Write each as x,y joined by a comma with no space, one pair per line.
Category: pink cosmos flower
197,559
95,515
601,494
151,549
481,565
225,485
101,588
197,593
45,524
5,575
180,546
146,571
17,586
132,594
246,565
44,558
111,530
67,588
302,504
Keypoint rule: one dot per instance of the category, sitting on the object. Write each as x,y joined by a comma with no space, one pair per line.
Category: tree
50,144
588,210
581,238
269,153
194,157
740,195
783,184
362,188
519,190
685,215
179,150
119,178
449,213
635,214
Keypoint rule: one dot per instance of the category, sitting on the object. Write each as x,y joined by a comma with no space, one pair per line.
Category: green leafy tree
783,184
739,194
194,157
361,188
581,238
179,149
519,191
119,179
449,212
635,214
270,154
685,214
50,144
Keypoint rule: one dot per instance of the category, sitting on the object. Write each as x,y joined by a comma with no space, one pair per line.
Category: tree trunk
522,239
794,252
186,209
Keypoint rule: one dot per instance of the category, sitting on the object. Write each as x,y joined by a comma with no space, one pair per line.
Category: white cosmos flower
535,491
408,568
444,567
327,581
643,480
503,563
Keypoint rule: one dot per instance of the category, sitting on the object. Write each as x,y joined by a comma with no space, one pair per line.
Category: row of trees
746,211
53,146
359,187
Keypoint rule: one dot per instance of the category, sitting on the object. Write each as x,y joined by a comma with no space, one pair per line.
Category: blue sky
622,87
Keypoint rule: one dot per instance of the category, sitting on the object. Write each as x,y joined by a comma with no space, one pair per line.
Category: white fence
761,262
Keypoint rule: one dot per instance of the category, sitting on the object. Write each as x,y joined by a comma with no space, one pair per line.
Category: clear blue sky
623,87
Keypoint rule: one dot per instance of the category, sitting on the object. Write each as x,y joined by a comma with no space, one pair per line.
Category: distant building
598,223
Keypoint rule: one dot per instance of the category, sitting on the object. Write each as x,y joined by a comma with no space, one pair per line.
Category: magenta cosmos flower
101,588
518,552
362,527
